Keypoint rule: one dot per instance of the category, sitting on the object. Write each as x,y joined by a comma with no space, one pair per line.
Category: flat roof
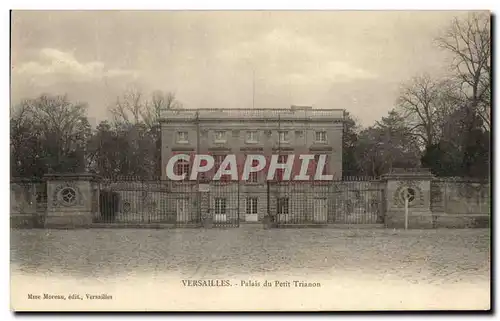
253,113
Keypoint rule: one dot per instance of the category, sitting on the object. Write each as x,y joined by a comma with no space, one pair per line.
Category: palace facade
220,132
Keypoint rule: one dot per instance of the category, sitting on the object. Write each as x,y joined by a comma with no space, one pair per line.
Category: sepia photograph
233,161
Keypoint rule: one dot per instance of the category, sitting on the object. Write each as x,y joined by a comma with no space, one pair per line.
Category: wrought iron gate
320,203
226,204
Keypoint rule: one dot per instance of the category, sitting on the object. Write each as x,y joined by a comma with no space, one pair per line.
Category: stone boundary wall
460,203
454,203
27,203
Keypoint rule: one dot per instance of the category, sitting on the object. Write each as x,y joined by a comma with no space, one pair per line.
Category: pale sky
325,59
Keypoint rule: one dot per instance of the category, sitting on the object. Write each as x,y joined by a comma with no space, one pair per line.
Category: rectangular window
283,205
253,176
218,159
251,136
182,167
320,137
280,172
282,159
283,137
251,205
220,136
182,137
316,161
220,205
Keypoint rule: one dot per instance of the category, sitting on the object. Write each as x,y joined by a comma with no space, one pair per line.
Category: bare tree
56,130
20,123
23,140
128,108
136,120
159,102
424,104
134,108
469,41
60,122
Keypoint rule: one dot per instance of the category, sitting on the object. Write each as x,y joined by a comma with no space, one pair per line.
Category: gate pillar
205,217
72,200
416,183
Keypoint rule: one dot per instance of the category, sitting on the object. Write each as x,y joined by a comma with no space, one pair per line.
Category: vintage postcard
250,160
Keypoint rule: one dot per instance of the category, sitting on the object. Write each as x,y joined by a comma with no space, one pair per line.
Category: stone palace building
220,132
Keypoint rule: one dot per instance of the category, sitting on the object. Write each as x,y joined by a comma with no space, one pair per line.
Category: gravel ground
415,255
437,258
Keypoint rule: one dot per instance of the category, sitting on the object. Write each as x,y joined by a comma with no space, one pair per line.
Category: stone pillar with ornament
415,185
72,200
